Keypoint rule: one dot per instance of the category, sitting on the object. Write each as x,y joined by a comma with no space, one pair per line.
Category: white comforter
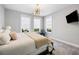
23,45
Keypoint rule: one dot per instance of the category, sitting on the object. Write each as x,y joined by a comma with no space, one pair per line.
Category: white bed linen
24,45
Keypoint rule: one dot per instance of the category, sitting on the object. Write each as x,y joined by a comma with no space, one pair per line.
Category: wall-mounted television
72,17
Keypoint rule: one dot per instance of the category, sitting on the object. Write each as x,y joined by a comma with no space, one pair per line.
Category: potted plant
36,29
49,30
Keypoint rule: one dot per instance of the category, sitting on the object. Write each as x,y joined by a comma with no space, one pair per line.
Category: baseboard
66,42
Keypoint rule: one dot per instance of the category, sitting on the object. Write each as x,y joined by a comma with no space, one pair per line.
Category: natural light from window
48,24
25,23
37,22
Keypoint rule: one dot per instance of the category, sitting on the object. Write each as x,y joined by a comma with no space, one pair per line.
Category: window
48,24
37,25
25,23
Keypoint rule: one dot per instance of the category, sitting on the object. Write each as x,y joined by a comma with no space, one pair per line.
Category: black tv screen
72,17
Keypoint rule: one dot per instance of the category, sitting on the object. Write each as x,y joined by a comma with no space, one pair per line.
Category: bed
24,45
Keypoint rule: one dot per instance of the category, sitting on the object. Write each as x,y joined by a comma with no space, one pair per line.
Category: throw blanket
39,39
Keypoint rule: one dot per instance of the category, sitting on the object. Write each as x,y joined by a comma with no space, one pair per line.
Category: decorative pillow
4,38
13,35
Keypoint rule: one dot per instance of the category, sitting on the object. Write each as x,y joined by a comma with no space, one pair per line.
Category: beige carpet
63,49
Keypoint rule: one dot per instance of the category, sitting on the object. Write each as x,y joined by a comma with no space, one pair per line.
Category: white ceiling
45,9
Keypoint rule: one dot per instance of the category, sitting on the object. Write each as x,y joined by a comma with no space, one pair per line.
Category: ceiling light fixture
37,10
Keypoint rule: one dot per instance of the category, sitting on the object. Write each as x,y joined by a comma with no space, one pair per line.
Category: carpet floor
63,49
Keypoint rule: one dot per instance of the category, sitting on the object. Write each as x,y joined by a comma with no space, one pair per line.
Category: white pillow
4,38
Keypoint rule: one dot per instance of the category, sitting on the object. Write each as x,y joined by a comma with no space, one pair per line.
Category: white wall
66,31
12,18
1,16
42,23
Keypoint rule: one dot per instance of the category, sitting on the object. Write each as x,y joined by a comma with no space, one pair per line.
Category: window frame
27,17
49,29
38,29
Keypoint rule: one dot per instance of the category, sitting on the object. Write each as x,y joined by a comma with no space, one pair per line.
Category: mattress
38,51
24,45
39,39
